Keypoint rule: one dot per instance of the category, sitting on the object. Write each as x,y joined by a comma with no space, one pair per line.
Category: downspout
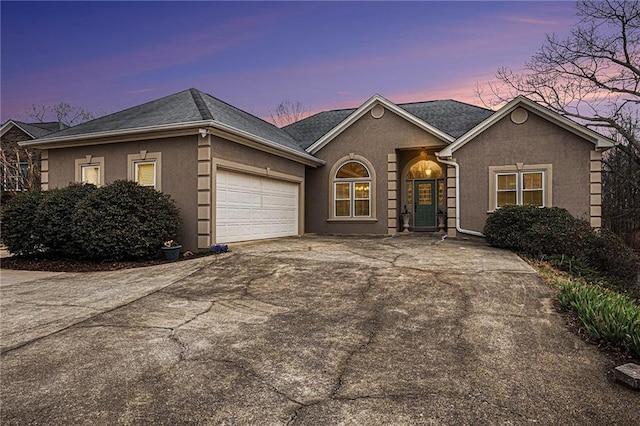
458,227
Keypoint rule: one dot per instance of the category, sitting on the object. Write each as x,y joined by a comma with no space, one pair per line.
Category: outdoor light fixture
203,132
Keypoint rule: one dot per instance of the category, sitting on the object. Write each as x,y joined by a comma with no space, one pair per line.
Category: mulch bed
74,265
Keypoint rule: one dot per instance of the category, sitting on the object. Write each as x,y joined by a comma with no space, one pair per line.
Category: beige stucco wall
178,172
373,139
228,150
536,141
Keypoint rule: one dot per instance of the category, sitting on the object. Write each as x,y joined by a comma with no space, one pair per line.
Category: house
20,167
236,177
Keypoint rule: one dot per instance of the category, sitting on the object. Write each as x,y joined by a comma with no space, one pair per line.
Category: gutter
458,227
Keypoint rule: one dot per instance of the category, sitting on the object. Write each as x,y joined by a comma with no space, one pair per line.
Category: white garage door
251,207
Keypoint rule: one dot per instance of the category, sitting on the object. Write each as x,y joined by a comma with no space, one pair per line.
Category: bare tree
64,113
288,112
592,76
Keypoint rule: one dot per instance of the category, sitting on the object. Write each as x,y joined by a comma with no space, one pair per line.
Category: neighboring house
20,167
236,177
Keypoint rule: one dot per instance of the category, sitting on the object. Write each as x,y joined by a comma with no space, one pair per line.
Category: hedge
118,221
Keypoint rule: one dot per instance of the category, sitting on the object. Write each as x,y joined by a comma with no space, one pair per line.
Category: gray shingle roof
187,106
452,117
38,130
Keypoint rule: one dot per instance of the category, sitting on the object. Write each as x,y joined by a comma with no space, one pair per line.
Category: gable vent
519,115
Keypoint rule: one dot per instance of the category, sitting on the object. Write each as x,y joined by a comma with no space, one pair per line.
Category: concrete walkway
314,330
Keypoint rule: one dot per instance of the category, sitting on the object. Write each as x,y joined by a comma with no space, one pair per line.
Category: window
90,170
352,191
520,185
90,174
145,173
145,168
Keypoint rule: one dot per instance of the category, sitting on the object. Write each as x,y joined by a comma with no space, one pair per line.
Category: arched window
352,191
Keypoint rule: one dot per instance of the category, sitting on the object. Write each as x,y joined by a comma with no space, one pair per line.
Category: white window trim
333,180
145,157
520,170
136,171
352,198
89,160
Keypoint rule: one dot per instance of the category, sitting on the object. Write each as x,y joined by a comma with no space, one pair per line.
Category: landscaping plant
605,314
118,221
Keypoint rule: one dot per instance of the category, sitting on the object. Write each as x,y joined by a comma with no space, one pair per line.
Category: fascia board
597,139
131,134
64,141
375,99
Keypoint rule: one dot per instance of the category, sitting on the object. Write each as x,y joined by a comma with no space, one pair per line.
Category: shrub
607,253
544,232
123,220
605,314
53,217
19,224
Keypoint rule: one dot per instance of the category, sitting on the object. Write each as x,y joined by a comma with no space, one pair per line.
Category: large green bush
19,225
118,221
53,218
124,221
543,232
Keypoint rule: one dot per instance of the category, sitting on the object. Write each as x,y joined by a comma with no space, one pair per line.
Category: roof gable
599,141
366,107
447,117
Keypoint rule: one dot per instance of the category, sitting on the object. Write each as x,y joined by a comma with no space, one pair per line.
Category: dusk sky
107,56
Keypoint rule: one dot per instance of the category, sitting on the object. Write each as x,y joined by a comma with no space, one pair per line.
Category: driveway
309,331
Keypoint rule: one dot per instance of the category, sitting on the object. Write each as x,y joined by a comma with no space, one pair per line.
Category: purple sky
107,56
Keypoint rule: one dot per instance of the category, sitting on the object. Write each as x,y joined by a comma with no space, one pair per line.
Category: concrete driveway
315,330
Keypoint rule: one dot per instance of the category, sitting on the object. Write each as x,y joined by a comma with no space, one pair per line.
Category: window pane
352,170
91,174
362,207
343,208
362,190
409,192
342,191
532,181
146,174
441,194
532,198
506,198
506,182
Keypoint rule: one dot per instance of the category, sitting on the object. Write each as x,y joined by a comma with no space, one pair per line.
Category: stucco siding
373,139
228,150
536,141
178,172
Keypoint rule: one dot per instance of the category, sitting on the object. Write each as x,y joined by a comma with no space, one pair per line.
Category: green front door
424,203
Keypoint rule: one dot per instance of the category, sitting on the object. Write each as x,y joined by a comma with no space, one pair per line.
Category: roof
189,108
451,117
34,130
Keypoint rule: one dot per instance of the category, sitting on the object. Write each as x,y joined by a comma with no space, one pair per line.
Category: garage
250,207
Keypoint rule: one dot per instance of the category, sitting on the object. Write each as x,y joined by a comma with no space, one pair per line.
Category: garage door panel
252,207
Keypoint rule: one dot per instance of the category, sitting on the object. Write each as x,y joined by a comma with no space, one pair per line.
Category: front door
424,203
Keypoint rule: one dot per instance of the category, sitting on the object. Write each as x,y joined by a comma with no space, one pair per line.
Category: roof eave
192,127
302,157
353,117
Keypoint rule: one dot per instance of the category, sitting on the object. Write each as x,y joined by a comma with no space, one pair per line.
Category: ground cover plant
116,222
